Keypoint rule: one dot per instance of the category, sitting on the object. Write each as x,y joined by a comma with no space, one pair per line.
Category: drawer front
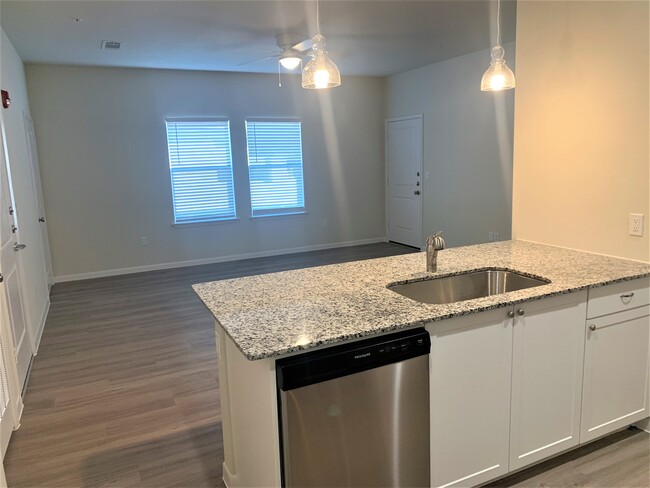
618,297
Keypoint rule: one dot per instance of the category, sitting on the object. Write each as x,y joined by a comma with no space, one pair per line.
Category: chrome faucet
435,243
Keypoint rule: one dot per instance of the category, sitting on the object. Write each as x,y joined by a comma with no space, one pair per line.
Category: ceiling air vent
111,45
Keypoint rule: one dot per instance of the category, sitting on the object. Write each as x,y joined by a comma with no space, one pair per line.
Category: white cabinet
470,398
615,388
548,351
505,392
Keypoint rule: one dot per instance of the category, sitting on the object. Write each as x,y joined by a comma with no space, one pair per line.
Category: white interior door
9,249
30,137
404,180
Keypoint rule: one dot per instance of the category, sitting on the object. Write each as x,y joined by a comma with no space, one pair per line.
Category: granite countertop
278,313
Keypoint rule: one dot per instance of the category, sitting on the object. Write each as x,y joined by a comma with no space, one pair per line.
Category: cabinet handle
627,295
592,327
520,312
511,314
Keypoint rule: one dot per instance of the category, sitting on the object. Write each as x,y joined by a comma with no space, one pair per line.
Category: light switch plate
636,224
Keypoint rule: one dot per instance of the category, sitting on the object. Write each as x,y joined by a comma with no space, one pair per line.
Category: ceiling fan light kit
498,76
290,61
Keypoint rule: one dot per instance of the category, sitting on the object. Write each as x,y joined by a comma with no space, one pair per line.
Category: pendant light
320,72
498,76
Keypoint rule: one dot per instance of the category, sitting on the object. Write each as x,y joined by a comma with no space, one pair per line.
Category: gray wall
102,148
467,146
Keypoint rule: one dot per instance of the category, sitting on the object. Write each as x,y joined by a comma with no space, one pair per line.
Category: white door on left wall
10,246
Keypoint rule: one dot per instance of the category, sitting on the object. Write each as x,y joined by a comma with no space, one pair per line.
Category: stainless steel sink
475,284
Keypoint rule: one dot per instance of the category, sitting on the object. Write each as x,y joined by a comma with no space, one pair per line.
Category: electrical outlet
496,236
324,223
636,224
144,241
490,236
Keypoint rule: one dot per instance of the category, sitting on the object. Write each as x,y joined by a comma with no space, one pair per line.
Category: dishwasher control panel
334,362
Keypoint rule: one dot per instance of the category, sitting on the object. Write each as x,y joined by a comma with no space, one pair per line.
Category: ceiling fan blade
259,60
302,46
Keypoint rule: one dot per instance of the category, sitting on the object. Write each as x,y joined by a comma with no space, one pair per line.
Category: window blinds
200,163
275,167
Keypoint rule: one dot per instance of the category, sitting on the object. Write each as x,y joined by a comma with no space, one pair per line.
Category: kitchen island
262,318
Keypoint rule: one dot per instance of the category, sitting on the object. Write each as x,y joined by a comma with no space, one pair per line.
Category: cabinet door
616,372
547,366
470,398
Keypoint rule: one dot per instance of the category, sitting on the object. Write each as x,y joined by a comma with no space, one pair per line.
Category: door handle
41,219
416,192
19,247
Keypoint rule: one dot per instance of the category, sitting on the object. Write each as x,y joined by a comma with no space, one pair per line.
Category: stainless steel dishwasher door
365,429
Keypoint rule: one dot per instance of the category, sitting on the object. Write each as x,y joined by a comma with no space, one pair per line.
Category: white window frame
273,213
220,220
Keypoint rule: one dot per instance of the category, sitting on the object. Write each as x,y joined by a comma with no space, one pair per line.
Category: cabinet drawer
618,297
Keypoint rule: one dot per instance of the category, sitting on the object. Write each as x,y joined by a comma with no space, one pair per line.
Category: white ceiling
365,37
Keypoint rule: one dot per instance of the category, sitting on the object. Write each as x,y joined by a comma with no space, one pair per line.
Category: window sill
278,216
207,222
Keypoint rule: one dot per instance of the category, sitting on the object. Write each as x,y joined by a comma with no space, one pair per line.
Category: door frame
419,117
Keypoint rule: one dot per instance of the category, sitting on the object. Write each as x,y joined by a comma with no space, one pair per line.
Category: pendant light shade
320,72
498,76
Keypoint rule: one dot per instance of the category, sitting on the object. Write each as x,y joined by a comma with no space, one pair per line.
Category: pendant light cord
317,18
498,22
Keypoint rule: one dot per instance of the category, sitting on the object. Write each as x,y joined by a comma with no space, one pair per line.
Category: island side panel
249,417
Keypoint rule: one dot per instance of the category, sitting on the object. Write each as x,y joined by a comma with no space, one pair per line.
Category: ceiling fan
292,49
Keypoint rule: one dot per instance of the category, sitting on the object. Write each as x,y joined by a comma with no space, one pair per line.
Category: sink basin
466,286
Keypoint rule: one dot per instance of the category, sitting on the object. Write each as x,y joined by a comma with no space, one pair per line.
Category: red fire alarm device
5,99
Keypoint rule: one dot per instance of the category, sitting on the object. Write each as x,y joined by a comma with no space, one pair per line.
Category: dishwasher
357,414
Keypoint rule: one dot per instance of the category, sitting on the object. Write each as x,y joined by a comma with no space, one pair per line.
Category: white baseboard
218,259
41,327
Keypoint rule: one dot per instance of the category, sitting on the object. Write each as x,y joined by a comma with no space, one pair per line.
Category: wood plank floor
124,389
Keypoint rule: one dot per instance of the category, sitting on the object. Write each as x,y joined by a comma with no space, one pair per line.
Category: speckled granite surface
274,314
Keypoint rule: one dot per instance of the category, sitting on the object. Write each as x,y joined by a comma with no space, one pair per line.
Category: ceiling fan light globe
290,62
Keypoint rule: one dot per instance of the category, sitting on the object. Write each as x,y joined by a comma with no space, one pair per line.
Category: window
200,163
275,167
